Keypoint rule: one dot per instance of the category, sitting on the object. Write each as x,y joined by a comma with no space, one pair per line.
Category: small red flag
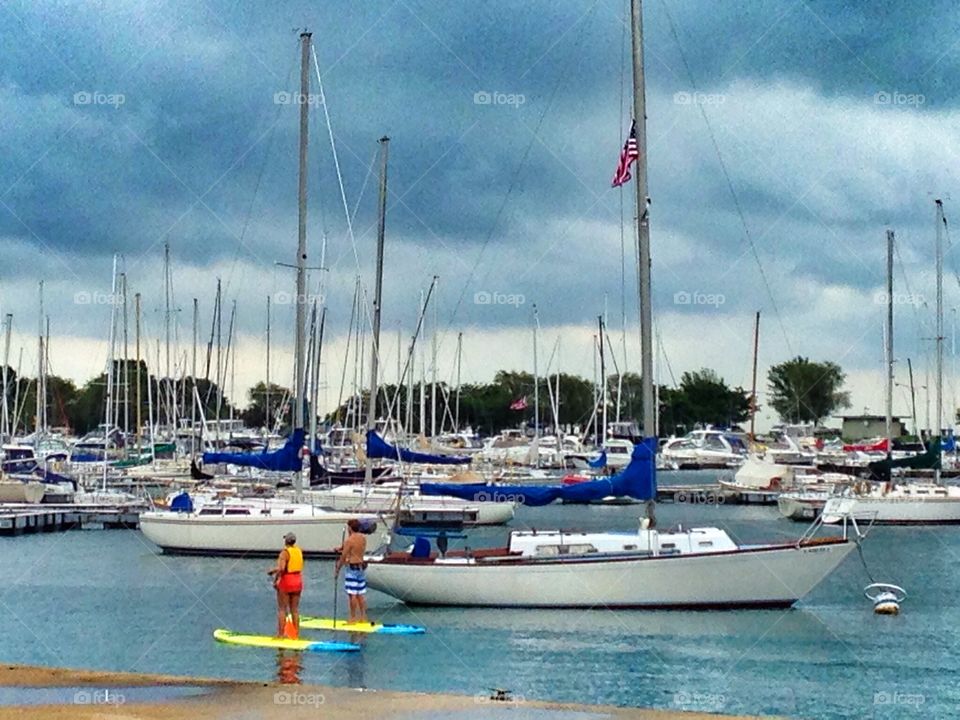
520,404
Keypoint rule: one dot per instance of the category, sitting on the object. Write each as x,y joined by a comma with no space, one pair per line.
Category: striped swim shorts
355,581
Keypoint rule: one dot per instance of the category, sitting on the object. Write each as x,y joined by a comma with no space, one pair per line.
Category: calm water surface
107,599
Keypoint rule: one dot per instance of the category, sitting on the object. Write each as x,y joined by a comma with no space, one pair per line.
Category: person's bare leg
295,610
353,608
281,611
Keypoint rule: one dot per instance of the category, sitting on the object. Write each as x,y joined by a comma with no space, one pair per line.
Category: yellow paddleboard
267,641
316,623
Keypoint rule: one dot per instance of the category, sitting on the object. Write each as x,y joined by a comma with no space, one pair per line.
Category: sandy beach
95,694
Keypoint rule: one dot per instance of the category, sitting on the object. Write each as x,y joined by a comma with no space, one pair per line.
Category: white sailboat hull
182,533
769,576
894,510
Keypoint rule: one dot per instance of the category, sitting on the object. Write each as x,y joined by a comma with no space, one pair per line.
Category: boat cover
599,462
637,480
377,447
285,459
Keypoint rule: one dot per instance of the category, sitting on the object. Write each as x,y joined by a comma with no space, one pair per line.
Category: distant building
863,427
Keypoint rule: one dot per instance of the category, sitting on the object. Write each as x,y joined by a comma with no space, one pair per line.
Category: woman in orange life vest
288,580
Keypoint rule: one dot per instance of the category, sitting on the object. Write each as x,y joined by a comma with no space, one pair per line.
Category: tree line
798,390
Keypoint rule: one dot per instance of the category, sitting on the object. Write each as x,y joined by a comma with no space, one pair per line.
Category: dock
20,519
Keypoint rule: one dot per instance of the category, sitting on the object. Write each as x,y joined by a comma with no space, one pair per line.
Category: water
108,600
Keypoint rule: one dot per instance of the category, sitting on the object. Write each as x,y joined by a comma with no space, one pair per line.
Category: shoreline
245,700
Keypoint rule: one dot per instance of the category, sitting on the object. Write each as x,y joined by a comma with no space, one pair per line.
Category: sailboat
686,567
237,526
906,503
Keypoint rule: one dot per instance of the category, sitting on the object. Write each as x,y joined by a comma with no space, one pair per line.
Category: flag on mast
519,404
628,155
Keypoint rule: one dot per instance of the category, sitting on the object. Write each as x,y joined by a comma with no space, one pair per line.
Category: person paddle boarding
354,578
288,581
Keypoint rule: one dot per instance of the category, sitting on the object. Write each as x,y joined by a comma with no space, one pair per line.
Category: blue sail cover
377,447
638,480
599,462
285,459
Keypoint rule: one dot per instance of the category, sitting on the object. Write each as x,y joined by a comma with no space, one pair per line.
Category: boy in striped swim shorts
354,578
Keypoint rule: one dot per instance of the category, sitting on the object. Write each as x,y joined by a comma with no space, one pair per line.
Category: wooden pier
19,519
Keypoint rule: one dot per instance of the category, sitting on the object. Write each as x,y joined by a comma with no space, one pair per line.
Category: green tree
703,397
806,391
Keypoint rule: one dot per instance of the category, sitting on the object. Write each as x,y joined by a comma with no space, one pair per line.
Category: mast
7,330
753,385
603,379
136,322
193,375
888,346
41,391
643,222
298,374
166,330
269,417
433,379
377,299
913,399
110,371
941,222
456,420
536,383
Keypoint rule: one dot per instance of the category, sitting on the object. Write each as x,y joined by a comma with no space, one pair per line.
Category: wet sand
223,700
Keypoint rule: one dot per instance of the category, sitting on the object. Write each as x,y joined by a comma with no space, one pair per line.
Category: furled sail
599,462
377,447
637,480
287,458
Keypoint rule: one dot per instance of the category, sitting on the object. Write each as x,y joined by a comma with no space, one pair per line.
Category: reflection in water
289,667
356,664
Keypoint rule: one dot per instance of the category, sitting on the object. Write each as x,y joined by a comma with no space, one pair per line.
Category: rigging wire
729,182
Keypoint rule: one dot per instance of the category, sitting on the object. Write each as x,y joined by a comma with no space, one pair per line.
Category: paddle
336,580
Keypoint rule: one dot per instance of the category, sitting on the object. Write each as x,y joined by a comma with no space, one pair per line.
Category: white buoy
886,598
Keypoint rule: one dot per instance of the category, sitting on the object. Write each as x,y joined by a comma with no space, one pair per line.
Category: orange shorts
290,583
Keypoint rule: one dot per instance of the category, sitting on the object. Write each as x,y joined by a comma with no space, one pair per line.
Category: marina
329,373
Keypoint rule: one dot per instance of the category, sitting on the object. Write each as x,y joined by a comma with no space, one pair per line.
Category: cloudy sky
784,138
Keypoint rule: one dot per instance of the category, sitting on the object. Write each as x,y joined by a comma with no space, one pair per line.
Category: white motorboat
682,568
905,504
21,491
235,526
704,449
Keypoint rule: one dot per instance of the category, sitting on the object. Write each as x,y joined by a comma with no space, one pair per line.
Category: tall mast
193,375
753,384
299,395
433,379
269,420
8,327
377,299
41,391
643,222
168,391
536,384
136,322
456,420
126,358
603,380
888,345
941,221
110,371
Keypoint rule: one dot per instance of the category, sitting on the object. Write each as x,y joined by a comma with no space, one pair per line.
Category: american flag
627,156
519,404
